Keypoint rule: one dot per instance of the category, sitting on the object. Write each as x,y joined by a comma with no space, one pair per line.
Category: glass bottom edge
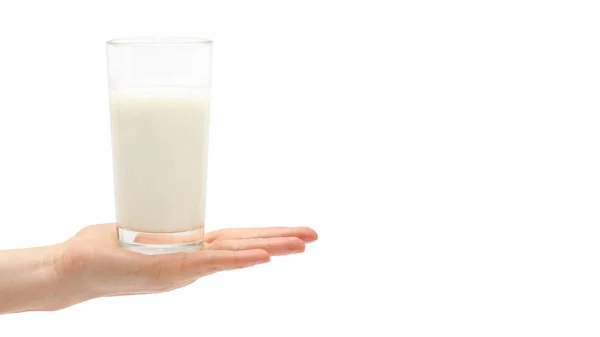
161,243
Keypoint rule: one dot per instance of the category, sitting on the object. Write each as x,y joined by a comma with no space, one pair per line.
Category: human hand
92,264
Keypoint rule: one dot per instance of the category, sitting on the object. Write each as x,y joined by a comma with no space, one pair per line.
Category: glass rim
157,41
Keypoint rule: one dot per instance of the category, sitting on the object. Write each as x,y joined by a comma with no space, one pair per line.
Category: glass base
161,243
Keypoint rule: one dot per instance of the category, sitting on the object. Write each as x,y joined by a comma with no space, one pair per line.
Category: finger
305,234
167,268
173,266
210,261
274,246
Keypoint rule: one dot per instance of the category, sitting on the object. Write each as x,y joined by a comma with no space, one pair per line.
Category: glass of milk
159,90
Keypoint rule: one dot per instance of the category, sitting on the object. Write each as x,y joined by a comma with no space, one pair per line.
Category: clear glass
159,92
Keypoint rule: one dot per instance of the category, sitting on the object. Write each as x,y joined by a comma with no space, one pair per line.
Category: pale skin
92,264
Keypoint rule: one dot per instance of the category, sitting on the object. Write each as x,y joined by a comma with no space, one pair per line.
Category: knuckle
215,245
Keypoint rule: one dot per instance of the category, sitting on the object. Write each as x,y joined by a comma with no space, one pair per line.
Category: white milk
160,144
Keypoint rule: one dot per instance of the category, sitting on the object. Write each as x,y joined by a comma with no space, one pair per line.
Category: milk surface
160,148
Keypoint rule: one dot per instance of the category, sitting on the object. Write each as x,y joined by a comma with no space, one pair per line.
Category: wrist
29,280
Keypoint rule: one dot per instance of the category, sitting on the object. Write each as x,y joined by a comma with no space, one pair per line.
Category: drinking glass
159,94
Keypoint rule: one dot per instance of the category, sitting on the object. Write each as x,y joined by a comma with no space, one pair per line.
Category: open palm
92,264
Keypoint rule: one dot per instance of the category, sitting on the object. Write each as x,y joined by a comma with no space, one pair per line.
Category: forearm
28,280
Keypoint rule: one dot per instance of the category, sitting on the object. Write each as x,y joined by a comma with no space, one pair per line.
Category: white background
447,153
